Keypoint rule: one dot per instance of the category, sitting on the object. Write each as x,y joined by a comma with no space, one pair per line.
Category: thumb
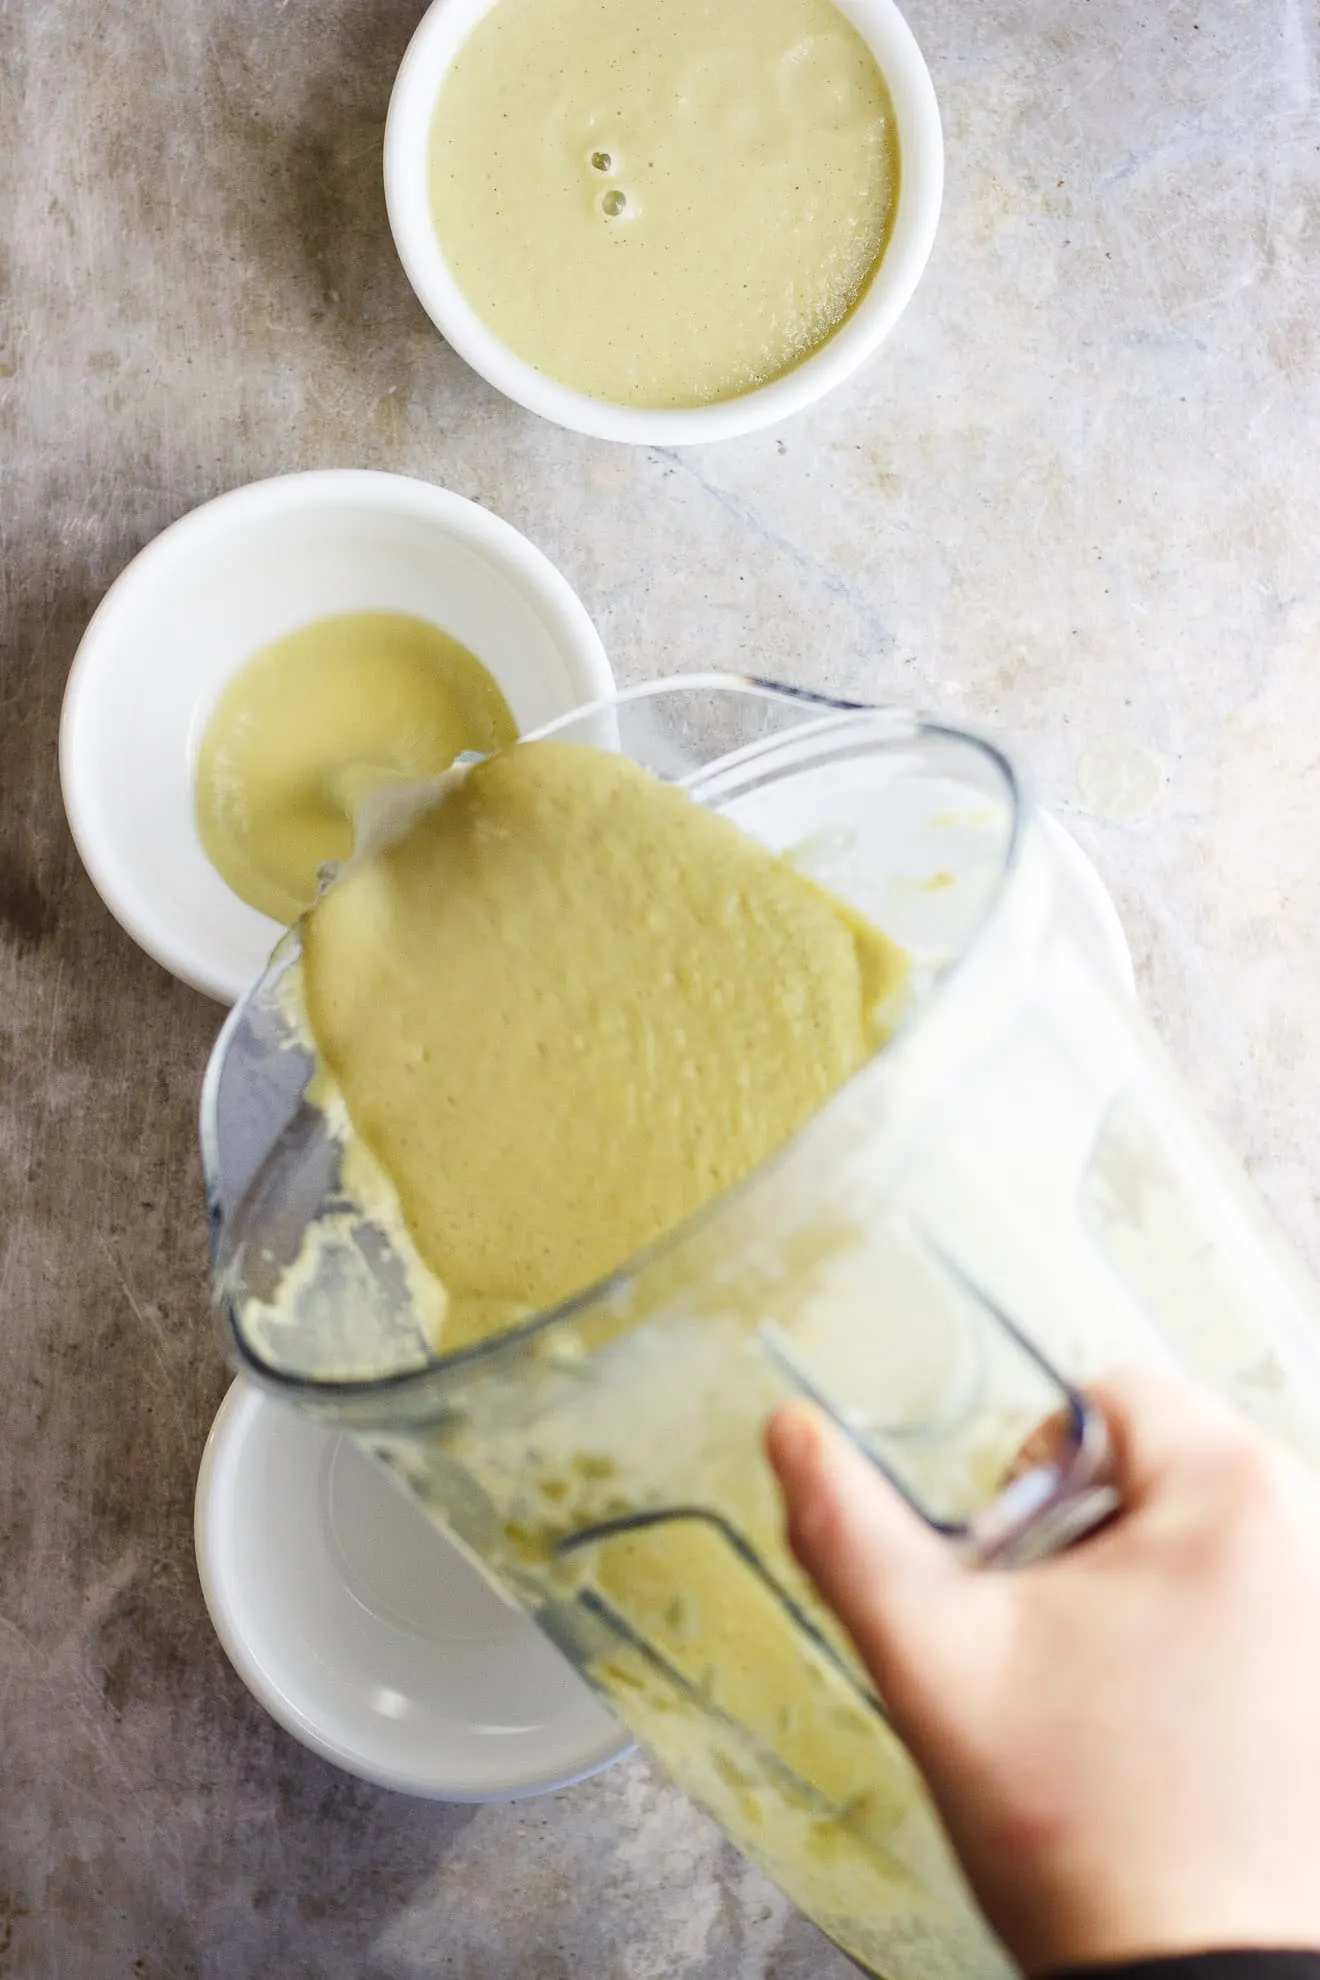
895,1585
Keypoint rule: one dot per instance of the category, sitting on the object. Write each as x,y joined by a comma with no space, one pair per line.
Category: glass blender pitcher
1010,1196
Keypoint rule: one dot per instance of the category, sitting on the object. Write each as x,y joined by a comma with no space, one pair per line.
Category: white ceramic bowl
443,30
365,1632
198,601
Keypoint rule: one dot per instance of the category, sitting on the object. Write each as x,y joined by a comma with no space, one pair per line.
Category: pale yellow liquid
312,724
663,202
568,1009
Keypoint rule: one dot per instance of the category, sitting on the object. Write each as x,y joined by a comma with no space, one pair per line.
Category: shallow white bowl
442,31
366,1634
198,601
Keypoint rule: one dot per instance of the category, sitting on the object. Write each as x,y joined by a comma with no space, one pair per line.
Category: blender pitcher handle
1045,1508
1047,1502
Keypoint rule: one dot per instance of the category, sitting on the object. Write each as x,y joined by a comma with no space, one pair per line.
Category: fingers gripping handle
1060,1486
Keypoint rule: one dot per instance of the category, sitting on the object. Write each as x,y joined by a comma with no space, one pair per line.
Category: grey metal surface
1077,496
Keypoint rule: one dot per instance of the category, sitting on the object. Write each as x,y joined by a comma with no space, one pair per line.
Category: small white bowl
440,35
366,1634
222,582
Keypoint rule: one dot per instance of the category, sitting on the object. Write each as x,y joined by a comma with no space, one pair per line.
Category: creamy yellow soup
570,1007
663,203
316,721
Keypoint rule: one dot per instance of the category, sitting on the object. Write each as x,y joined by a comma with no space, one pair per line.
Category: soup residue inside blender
568,1008
557,1016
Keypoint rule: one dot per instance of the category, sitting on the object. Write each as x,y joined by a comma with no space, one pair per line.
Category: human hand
1124,1741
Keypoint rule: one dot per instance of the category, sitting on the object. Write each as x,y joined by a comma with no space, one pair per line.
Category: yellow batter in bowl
316,721
663,203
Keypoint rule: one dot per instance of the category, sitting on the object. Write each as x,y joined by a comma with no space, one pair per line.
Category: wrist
1150,1914
1233,1963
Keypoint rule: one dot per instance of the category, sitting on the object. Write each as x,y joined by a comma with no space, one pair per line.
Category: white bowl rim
121,886
225,1443
439,35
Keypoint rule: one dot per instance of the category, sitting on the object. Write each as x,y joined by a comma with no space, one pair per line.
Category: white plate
366,1634
1093,906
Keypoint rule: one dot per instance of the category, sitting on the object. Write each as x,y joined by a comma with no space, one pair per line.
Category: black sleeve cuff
1236,1965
